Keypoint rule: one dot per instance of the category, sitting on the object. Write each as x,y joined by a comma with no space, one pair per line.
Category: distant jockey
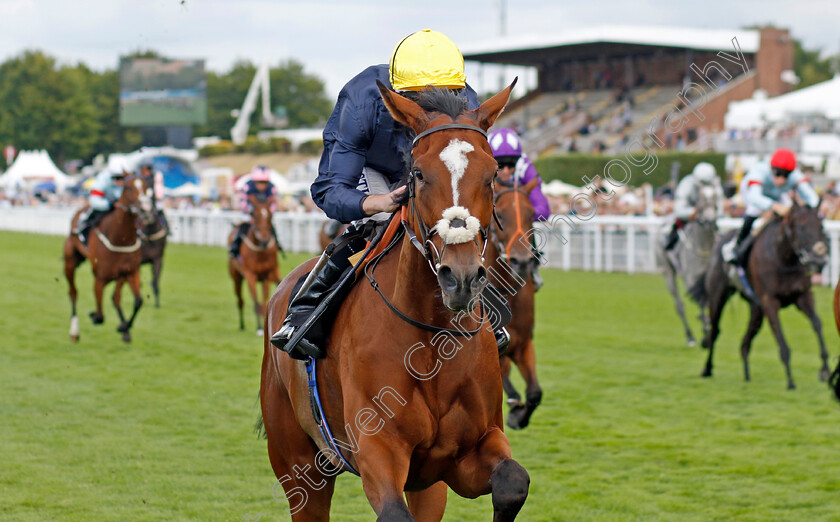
514,166
106,190
261,189
154,178
763,188
687,197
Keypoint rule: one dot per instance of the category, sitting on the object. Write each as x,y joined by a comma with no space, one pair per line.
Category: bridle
424,243
505,249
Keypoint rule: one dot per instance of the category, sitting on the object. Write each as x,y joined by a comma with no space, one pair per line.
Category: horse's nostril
820,249
479,280
446,279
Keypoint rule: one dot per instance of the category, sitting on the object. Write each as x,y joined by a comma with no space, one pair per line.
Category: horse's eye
418,175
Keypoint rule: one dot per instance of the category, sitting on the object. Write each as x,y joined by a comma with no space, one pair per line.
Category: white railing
603,244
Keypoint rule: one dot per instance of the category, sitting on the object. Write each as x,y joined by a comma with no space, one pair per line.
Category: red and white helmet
260,173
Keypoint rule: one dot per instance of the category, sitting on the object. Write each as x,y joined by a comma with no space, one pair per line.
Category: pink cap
260,173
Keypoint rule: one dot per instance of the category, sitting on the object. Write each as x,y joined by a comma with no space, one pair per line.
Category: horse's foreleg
526,361
383,463
134,284
770,306
117,298
756,317
70,265
489,469
157,267
98,288
251,279
806,304
671,281
510,390
428,505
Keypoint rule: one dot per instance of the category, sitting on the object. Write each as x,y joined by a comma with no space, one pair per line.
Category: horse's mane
441,99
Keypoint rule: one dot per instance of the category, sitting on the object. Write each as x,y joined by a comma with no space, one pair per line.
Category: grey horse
690,258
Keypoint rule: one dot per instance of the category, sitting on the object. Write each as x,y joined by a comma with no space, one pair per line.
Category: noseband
424,243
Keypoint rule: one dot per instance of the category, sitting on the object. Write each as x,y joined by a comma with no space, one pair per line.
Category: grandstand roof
509,49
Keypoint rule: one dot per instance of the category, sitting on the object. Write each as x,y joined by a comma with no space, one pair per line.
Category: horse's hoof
824,375
126,337
791,386
515,417
260,332
706,374
122,328
691,343
96,319
74,338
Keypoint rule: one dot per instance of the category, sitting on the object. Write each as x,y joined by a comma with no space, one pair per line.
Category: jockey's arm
542,210
346,140
755,197
804,189
98,201
683,209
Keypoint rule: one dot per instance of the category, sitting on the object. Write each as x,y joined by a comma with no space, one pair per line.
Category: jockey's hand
780,209
376,203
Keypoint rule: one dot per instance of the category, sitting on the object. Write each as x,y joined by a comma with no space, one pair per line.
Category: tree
43,106
104,89
809,67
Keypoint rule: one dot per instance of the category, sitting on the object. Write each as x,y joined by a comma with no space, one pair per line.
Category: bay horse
257,261
778,270
693,254
418,419
834,380
153,237
114,253
510,273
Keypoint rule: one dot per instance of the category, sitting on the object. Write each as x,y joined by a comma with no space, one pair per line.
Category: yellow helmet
426,58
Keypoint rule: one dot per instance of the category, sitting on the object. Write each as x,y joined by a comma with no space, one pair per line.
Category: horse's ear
402,109
487,113
531,185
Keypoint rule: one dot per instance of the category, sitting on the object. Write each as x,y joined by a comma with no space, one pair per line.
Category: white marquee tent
822,99
30,168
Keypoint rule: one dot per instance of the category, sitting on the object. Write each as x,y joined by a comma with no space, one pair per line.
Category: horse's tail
697,292
259,426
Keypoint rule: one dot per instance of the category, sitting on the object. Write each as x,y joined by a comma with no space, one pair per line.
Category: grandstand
597,87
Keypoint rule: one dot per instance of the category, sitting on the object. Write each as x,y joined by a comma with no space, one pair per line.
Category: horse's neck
119,226
781,242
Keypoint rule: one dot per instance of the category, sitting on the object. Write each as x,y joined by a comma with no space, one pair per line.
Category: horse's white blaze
454,156
264,213
74,325
138,185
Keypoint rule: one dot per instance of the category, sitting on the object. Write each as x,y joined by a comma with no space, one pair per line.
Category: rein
505,250
370,267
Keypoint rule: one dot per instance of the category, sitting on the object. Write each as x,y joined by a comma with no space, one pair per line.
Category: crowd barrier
604,243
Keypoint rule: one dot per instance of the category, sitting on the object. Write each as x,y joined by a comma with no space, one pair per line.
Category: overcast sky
335,40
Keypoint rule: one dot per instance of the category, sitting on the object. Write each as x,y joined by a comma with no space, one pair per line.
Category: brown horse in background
510,273
257,261
114,253
419,410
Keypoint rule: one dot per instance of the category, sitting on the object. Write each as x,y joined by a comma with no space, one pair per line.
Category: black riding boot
742,246
672,237
236,244
300,310
91,220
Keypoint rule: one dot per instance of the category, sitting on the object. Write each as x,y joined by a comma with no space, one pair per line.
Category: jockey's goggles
507,161
781,173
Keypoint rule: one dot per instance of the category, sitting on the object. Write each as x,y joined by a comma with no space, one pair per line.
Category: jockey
514,165
262,189
364,160
763,188
106,190
154,178
688,195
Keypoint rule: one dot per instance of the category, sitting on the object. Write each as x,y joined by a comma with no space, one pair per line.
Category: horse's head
261,215
516,215
706,207
138,198
450,186
804,230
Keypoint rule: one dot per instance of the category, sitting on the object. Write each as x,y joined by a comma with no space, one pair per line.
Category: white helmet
117,165
704,172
